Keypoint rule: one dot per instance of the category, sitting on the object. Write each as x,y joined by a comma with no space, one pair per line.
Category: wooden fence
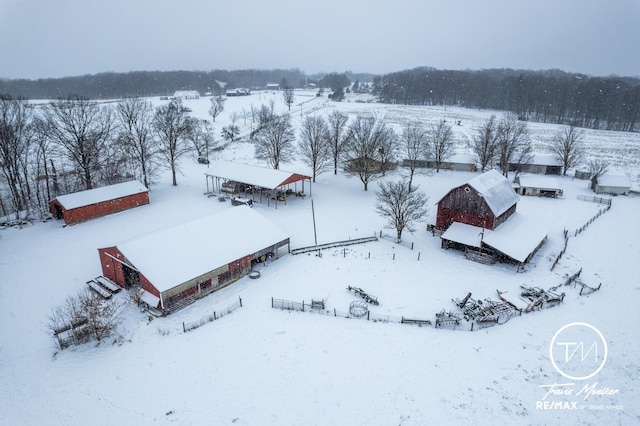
333,244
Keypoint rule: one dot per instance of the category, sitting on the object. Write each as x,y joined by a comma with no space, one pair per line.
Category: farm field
265,366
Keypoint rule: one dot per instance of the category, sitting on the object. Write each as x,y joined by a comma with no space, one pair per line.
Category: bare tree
338,134
366,136
401,205
201,137
274,143
15,140
597,168
82,128
288,96
232,131
314,144
414,144
513,142
136,116
217,106
85,317
485,141
171,124
567,147
440,142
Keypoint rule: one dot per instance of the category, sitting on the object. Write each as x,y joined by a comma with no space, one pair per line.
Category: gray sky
56,38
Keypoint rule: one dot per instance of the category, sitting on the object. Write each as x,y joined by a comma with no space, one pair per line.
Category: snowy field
263,366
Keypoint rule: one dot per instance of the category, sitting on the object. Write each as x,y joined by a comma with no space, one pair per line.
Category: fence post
184,330
394,256
334,312
418,255
241,301
272,302
411,245
214,316
369,257
303,306
471,325
368,312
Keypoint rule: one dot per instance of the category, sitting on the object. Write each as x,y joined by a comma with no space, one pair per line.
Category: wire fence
215,315
578,231
594,199
290,305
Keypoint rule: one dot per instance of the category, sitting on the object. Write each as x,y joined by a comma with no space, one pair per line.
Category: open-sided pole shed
257,177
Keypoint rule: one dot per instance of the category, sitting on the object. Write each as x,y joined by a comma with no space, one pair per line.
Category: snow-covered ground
263,366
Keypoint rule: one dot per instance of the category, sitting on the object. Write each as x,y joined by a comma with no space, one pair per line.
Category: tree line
610,103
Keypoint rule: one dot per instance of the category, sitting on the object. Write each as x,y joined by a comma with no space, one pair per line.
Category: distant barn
485,201
92,203
541,164
612,184
175,266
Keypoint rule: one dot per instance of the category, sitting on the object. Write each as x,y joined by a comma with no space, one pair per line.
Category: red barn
85,205
176,266
485,201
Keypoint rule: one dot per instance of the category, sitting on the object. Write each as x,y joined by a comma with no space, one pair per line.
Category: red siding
113,270
464,204
80,214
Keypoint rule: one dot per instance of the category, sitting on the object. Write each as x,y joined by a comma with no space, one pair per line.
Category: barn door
131,277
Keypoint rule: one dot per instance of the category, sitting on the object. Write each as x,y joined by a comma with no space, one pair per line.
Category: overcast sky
56,38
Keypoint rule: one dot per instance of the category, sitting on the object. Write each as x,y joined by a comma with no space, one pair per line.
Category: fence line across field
215,315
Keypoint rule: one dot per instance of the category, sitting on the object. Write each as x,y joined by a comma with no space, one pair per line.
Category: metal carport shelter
258,177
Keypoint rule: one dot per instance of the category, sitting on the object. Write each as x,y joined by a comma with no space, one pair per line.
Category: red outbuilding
92,203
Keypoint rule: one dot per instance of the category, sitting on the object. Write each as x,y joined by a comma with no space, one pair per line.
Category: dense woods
611,103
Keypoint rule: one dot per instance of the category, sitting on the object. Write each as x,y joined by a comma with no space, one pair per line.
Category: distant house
611,184
542,164
238,92
186,94
480,218
458,162
273,86
486,201
92,203
536,185
176,266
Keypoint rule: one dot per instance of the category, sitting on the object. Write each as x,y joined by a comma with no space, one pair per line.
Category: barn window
466,189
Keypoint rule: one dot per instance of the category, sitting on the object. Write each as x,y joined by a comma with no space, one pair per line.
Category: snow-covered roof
539,181
462,158
619,181
496,190
545,160
175,255
517,238
99,195
253,175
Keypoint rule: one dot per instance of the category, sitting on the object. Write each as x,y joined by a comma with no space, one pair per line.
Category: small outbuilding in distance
611,184
176,266
92,203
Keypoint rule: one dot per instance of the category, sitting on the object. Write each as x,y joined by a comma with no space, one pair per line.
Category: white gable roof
253,175
173,256
518,237
496,190
539,181
99,195
617,181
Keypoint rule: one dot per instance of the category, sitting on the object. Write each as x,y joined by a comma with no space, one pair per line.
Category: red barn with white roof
176,266
92,203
